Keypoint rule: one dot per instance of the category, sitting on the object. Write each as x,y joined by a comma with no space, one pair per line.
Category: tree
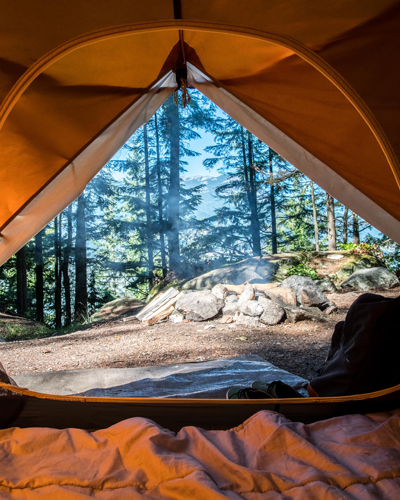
356,229
21,282
172,130
57,270
65,267
345,224
330,212
316,231
80,261
39,276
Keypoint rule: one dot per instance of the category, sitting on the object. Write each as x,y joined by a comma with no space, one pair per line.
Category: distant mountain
210,201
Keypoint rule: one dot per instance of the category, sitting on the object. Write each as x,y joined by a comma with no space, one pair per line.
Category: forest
137,222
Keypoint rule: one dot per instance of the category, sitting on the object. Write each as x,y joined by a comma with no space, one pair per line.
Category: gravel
124,342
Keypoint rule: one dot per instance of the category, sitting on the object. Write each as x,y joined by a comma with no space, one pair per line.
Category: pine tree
65,267
330,211
21,282
80,261
39,276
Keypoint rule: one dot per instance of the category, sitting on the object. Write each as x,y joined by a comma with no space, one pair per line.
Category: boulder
335,256
326,285
298,283
358,262
248,294
312,297
283,295
249,276
253,269
198,306
295,314
231,305
272,314
369,279
243,319
220,291
251,308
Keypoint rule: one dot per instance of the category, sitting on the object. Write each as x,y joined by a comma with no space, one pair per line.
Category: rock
326,285
220,291
248,294
231,305
273,312
283,295
248,270
243,319
226,319
298,283
249,276
198,306
331,309
295,314
335,256
312,297
357,263
251,308
369,279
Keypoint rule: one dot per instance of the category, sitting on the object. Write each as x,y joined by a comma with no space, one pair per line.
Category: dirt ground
124,342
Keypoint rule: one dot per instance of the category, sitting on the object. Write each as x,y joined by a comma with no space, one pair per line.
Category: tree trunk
80,262
57,270
174,188
148,210
345,224
316,231
39,276
356,229
274,241
160,200
248,171
255,222
65,268
330,211
22,300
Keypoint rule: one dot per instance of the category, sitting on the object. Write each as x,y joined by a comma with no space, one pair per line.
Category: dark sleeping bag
365,350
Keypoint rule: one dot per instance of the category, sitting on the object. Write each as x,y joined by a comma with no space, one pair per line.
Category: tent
318,81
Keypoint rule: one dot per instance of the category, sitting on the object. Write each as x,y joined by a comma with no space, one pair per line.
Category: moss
357,263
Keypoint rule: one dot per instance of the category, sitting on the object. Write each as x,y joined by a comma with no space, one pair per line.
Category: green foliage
302,270
347,246
20,332
117,208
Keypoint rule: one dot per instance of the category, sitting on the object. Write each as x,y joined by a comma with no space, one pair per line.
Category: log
159,315
160,309
157,302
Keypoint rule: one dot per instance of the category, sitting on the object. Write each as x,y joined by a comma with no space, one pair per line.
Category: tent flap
77,78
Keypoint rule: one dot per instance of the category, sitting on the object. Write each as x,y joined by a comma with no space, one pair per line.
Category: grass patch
15,332
20,332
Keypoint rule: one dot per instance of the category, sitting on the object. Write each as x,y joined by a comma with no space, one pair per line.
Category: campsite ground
124,342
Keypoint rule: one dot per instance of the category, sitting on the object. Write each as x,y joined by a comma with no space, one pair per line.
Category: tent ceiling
72,71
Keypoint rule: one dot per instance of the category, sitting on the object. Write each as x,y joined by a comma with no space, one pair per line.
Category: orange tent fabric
315,80
267,457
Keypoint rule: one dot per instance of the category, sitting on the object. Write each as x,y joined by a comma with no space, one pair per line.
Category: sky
195,163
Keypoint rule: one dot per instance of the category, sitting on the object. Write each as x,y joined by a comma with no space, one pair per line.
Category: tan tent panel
317,81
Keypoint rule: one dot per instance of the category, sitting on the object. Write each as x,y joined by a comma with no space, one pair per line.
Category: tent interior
77,79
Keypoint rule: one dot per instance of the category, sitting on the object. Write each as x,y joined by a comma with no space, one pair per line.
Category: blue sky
195,163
